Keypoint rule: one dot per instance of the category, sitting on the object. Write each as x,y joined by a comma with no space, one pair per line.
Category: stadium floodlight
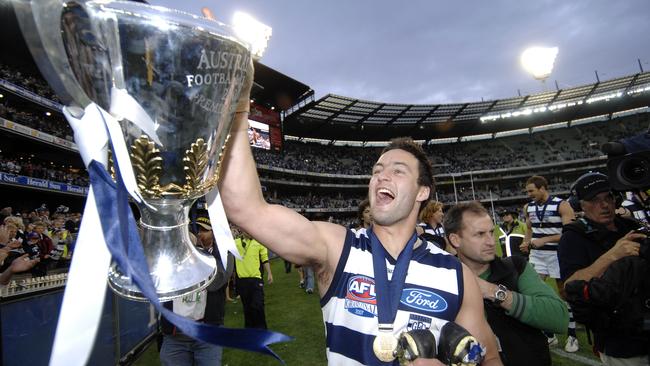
252,31
538,61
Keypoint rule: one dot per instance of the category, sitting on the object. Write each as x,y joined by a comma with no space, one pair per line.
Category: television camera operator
605,259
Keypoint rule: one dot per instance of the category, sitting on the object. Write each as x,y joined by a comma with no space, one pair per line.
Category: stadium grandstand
321,152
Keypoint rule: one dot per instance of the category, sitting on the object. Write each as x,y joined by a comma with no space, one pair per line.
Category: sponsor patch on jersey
361,298
418,322
423,300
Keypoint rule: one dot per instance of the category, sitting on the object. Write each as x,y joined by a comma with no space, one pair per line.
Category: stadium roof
274,89
336,117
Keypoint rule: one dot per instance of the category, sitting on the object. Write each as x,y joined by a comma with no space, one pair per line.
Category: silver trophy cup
184,75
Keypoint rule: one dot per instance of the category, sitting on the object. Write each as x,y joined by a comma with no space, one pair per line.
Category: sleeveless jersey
431,296
437,231
635,207
545,220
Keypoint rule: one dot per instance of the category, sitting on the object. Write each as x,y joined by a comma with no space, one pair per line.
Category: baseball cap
33,235
204,222
590,184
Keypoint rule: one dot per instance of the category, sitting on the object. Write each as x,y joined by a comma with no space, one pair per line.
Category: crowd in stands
566,144
35,85
31,166
47,237
557,145
53,124
316,201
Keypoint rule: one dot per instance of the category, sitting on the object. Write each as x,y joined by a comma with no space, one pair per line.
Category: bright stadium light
538,61
252,31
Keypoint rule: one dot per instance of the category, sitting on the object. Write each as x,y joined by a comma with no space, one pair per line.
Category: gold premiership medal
384,346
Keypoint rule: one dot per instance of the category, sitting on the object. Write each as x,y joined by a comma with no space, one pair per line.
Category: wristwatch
500,294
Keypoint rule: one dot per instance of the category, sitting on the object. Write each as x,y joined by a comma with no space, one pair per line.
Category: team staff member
517,303
250,285
510,225
402,180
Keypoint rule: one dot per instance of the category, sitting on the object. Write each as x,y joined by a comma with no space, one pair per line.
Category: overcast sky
435,51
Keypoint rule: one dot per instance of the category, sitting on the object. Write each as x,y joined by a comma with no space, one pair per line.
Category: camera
628,163
630,171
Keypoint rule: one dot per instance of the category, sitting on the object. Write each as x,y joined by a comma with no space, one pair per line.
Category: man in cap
207,306
249,279
595,244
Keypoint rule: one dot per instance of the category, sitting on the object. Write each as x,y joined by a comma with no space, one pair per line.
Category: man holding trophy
161,89
365,321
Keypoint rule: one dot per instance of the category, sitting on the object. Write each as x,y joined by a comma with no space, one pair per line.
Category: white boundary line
578,358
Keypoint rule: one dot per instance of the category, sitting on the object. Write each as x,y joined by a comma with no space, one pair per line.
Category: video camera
628,163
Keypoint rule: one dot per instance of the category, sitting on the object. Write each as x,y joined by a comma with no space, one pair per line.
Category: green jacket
535,303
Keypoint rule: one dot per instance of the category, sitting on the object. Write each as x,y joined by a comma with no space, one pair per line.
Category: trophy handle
40,23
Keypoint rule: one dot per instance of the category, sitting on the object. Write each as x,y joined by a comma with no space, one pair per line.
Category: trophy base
176,266
124,286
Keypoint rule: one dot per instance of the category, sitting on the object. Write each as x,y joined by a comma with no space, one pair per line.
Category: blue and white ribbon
108,226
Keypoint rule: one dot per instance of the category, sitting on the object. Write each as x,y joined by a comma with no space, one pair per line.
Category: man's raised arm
284,231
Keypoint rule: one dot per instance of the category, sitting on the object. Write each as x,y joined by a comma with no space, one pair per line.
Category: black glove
419,343
459,348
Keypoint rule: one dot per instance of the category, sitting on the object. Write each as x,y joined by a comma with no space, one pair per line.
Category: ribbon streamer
220,227
83,299
124,244
84,294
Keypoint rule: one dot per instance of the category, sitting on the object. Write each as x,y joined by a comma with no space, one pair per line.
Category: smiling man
517,303
374,283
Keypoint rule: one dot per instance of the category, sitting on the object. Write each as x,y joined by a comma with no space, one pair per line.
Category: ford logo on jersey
361,297
423,300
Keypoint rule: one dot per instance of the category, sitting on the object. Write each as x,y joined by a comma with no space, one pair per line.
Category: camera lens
635,171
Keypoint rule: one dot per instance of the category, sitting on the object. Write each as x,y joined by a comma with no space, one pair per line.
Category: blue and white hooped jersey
431,296
439,230
551,220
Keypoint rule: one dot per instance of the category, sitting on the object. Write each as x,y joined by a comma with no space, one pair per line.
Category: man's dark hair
362,207
425,170
538,181
453,221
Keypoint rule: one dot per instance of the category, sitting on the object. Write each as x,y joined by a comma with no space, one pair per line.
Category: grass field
293,312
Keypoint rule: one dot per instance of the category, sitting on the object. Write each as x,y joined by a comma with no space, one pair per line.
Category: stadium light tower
538,61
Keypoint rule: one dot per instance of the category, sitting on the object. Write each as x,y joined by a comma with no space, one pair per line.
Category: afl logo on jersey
423,300
361,298
362,288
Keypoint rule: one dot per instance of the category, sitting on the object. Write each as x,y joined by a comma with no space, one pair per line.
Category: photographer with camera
605,279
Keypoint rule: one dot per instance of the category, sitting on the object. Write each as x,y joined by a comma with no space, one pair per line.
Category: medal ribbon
389,292
540,215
